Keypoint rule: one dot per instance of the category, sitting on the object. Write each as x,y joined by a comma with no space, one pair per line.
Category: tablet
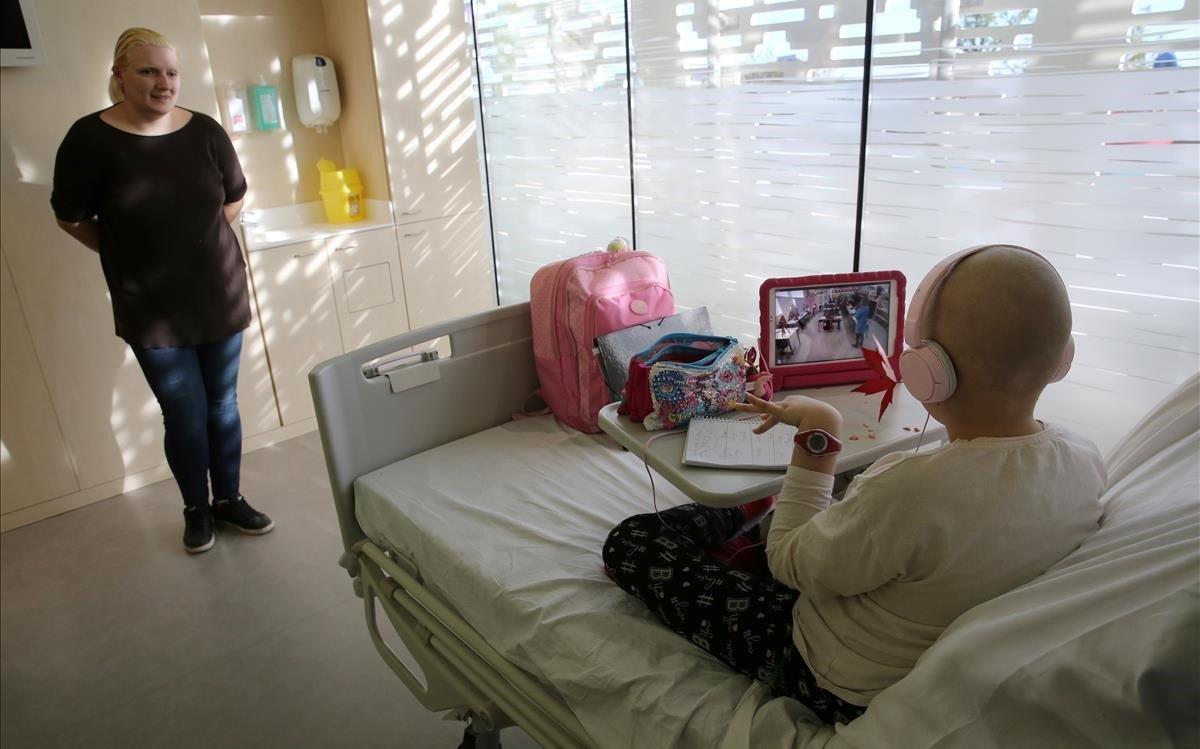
813,328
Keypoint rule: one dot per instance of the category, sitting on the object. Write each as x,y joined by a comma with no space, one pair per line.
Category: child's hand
797,410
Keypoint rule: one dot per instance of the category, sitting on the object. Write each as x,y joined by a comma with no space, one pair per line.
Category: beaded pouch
689,375
675,347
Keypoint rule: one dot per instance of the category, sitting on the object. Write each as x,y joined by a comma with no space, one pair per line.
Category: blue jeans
196,388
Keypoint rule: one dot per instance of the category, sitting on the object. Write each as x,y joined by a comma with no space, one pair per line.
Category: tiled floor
113,636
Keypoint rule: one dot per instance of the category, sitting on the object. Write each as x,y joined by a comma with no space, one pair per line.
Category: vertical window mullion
487,179
862,138
633,215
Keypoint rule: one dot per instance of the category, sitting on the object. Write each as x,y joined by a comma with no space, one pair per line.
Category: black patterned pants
744,620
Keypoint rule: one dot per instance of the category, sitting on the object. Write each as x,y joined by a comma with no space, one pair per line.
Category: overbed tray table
900,429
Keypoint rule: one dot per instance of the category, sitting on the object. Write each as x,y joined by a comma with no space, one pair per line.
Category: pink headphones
925,367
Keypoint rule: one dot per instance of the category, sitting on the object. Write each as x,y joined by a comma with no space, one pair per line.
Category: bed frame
367,423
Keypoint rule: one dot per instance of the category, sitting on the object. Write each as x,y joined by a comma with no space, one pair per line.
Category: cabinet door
295,303
427,107
255,391
34,463
367,286
448,269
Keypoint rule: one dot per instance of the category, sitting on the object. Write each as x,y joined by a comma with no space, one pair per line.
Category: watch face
817,443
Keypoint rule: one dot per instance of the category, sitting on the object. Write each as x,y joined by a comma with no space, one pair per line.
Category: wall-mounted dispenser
317,99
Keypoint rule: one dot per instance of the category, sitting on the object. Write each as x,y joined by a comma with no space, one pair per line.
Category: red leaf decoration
884,382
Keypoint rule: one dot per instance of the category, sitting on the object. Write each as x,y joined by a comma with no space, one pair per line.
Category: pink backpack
573,301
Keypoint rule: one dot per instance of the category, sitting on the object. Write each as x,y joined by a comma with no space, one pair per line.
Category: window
1064,151
729,145
556,128
745,148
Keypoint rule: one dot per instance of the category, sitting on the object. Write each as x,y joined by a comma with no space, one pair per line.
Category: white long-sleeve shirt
920,539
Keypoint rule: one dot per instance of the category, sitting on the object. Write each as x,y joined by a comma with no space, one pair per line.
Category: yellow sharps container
342,193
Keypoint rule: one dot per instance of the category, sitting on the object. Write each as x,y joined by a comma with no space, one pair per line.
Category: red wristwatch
817,442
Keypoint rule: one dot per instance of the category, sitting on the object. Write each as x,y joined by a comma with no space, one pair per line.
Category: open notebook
730,442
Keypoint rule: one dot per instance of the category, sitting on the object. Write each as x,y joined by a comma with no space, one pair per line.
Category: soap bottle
264,102
235,108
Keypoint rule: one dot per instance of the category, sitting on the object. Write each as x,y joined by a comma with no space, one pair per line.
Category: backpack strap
525,413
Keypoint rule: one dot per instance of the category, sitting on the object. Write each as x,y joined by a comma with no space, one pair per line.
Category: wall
349,44
249,38
25,403
79,422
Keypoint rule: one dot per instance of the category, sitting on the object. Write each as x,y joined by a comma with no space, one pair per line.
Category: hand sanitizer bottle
235,109
264,102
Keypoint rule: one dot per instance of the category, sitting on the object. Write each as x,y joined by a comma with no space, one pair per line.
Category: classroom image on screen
833,323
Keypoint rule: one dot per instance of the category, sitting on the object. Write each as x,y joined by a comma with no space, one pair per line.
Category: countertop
304,222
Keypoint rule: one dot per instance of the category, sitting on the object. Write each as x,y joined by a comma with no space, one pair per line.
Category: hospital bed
476,538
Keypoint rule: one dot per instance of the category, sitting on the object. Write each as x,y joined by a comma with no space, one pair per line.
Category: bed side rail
364,425
462,669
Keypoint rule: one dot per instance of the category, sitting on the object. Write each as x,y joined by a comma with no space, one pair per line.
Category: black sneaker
197,529
238,513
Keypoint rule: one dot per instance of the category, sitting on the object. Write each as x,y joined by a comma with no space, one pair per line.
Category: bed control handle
414,375
383,364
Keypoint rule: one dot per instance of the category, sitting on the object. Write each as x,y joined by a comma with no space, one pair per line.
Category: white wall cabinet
321,297
34,463
299,319
423,66
448,269
256,395
431,134
367,287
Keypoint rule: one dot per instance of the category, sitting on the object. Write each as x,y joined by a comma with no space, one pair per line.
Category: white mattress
506,526
1094,652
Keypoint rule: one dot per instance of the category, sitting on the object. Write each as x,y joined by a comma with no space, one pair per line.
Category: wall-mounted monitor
20,39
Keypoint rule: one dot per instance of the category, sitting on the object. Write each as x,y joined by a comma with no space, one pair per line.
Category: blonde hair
129,40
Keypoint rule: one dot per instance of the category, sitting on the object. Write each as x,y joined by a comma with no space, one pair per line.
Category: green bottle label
267,103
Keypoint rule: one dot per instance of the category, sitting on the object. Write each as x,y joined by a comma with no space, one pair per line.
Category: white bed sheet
507,526
1094,652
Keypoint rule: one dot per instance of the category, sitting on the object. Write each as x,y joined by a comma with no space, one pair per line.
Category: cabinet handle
305,254
344,248
409,213
411,234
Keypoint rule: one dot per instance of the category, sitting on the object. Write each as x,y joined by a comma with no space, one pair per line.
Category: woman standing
152,188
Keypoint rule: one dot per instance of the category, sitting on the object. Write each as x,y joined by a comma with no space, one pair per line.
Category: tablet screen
832,323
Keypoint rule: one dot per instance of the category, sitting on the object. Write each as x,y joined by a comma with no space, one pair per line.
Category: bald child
918,539
871,581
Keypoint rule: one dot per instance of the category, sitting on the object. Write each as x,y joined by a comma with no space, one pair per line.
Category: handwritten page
731,443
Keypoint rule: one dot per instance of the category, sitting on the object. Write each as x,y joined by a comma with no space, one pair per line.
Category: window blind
551,79
1069,127
1033,128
